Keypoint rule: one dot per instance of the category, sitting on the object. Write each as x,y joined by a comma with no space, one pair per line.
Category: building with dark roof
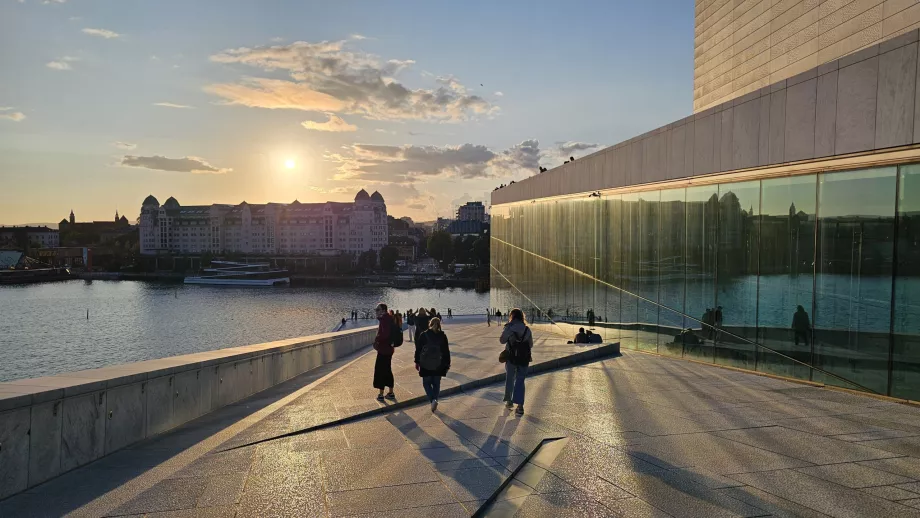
20,237
265,229
80,233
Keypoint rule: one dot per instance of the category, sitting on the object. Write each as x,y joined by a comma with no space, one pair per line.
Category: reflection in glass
905,378
853,281
807,266
701,238
672,230
787,251
736,296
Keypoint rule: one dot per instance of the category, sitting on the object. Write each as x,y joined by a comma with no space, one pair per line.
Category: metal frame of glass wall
813,276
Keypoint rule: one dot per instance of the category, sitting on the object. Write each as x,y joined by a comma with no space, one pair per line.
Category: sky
103,102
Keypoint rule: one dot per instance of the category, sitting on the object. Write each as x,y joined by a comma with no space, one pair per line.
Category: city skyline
104,104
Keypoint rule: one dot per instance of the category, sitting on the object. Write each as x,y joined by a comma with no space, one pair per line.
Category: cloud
59,65
327,77
187,164
46,2
410,164
388,132
499,94
358,37
11,116
416,206
277,39
566,149
334,124
174,105
102,33
124,145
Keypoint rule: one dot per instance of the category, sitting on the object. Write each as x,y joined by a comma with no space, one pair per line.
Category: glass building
813,276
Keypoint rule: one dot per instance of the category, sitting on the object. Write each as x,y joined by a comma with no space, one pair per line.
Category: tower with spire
73,218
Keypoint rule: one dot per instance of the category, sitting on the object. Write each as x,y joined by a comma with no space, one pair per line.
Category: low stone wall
53,424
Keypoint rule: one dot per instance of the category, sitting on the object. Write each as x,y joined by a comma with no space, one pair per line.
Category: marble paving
644,436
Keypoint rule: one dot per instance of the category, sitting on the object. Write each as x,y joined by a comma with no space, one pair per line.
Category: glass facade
815,277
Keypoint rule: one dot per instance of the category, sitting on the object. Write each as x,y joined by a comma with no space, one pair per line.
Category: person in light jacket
518,341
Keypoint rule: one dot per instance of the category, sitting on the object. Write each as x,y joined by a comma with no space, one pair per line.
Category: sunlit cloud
358,37
410,164
327,77
46,2
11,116
565,148
275,94
102,33
174,105
334,124
189,164
124,145
499,94
59,65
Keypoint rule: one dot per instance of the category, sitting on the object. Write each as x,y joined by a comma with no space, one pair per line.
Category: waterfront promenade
637,435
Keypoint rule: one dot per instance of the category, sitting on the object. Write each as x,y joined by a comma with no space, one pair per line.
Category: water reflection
44,329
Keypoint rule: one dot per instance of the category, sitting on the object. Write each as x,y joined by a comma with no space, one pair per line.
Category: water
44,330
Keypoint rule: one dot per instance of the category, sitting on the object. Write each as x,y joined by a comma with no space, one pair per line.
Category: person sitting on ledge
581,337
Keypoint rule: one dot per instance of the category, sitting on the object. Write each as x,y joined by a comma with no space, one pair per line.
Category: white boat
226,273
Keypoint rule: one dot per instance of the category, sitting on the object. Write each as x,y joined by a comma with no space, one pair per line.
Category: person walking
410,320
432,359
489,317
383,344
450,313
421,322
518,341
801,325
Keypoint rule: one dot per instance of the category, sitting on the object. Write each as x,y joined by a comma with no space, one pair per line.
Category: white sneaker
434,405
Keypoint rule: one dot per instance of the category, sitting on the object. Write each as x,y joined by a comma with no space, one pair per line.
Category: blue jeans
432,386
514,383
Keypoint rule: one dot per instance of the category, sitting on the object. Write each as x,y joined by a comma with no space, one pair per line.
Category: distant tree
388,256
440,246
367,260
481,250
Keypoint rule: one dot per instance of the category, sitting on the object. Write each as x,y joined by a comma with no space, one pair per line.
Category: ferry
226,273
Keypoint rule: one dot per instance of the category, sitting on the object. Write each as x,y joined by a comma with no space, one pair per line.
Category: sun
290,163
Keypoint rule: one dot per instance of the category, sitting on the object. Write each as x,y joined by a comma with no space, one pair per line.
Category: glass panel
702,225
629,310
853,281
647,271
736,294
611,271
786,284
905,376
672,231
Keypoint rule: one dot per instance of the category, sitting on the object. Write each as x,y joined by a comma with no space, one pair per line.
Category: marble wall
863,102
52,425
743,45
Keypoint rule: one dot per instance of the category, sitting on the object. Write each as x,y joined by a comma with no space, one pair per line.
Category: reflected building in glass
778,232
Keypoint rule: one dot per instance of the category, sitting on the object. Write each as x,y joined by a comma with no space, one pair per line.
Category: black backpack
429,357
519,348
396,335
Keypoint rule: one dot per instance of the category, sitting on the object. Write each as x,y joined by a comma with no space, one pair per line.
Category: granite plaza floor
643,436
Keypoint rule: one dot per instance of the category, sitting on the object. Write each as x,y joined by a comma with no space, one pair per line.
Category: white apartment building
471,211
265,229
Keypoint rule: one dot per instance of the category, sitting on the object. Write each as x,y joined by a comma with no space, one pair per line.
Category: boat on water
33,275
226,273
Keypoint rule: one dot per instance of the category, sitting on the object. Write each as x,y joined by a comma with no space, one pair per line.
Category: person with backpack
432,359
518,341
385,343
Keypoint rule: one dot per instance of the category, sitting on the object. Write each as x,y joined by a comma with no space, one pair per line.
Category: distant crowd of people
432,351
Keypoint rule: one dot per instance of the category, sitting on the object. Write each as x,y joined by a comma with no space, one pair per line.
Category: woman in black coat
432,359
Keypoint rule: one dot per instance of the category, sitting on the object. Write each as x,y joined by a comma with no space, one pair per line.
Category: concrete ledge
53,424
588,356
